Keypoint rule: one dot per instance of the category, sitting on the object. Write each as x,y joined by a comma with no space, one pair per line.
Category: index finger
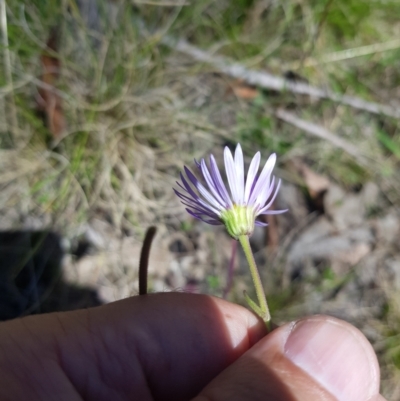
154,347
181,341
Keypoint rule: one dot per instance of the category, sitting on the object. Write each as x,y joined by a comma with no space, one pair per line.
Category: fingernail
336,355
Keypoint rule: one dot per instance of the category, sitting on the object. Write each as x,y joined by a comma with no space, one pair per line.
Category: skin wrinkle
138,363
57,353
86,380
97,349
40,359
110,381
37,388
59,360
98,339
147,347
138,354
82,383
22,376
134,347
108,354
19,373
61,324
155,350
57,347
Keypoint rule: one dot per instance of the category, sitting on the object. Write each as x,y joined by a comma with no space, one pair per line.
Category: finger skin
154,347
164,347
346,366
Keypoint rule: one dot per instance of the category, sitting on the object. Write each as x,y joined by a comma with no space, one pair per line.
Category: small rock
370,195
387,228
334,199
349,257
393,268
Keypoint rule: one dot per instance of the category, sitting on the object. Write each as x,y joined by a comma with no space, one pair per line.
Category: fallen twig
318,131
268,81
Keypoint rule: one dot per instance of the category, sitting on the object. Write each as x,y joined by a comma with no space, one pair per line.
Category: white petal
231,174
239,173
266,207
251,175
263,180
213,204
219,183
274,211
196,203
210,183
266,192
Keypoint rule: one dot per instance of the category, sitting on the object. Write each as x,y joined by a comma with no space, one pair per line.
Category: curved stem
144,259
263,306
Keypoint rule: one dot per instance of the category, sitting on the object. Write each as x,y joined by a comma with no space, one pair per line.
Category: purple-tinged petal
213,222
200,203
189,200
188,188
184,197
266,193
267,206
197,201
252,187
260,223
263,180
239,166
194,214
203,191
273,212
200,210
251,175
219,183
210,183
197,163
231,174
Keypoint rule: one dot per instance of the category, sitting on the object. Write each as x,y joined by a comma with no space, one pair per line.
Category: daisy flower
246,199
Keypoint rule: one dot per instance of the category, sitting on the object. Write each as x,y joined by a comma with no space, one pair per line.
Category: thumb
316,358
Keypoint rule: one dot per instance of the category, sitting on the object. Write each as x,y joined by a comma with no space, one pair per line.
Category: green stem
263,306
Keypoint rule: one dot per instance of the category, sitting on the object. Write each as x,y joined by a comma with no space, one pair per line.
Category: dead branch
268,81
318,131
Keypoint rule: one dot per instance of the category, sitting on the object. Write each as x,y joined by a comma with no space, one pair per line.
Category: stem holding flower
261,309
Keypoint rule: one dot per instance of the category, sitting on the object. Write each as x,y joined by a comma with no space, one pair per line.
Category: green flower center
239,220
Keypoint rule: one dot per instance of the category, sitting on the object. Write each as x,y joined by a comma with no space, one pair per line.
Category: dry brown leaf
48,101
244,91
317,185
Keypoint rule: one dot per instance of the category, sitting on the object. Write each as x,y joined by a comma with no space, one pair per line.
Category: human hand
178,346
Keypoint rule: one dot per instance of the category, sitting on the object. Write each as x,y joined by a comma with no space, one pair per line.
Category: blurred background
102,103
